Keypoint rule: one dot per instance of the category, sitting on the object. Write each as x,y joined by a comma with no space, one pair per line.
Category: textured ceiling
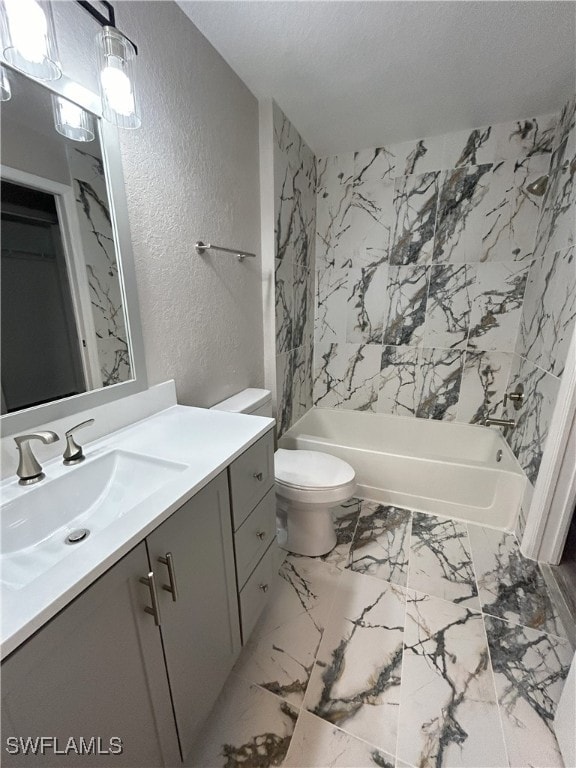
362,74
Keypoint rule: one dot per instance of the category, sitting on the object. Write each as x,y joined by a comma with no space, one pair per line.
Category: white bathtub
439,467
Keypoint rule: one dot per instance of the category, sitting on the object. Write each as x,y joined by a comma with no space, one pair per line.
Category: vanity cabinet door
200,629
95,670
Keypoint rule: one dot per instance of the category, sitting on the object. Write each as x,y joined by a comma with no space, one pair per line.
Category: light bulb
71,120
29,42
28,29
118,90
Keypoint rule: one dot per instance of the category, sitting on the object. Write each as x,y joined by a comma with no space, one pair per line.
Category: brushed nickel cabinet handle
263,587
168,561
155,609
261,534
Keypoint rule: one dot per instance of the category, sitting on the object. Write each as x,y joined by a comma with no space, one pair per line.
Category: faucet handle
73,453
29,469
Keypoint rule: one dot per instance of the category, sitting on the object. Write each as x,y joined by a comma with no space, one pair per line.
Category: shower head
538,187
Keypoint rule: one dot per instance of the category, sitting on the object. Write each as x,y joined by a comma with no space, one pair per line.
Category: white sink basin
92,495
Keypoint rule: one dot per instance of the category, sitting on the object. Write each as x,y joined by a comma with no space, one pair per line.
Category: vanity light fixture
116,54
28,38
72,121
5,88
119,103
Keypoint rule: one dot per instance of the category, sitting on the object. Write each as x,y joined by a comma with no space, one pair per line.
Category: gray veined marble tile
95,225
566,124
335,180
511,587
381,540
301,309
415,201
549,312
486,214
371,215
332,290
417,156
284,390
441,560
284,286
497,306
347,376
248,726
441,375
524,138
484,381
317,744
400,381
449,304
405,301
529,671
345,520
448,711
374,166
557,227
302,381
304,584
355,683
365,309
528,438
476,146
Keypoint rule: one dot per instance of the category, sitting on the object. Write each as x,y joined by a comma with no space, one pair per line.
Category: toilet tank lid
311,469
246,401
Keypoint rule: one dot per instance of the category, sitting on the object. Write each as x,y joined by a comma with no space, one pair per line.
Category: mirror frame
19,421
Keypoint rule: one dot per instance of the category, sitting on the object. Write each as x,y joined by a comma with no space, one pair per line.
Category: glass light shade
5,89
72,121
119,102
28,38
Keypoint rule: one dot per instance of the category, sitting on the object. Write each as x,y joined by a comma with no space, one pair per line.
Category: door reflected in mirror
63,323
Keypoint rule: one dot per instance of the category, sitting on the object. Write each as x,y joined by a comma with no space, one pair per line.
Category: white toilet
309,484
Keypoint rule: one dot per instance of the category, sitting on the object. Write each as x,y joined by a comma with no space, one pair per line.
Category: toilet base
305,529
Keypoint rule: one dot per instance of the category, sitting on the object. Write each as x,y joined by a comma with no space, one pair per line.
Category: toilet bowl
309,485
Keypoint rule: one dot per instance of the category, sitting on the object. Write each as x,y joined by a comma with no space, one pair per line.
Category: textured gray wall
191,173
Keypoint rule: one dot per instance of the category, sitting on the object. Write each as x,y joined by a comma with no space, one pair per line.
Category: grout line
403,649
497,698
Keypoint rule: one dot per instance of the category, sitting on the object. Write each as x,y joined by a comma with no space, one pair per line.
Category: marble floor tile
355,683
304,583
529,671
511,586
440,560
380,545
317,744
448,710
345,521
248,727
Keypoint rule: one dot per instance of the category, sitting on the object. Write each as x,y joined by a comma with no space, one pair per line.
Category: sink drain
77,536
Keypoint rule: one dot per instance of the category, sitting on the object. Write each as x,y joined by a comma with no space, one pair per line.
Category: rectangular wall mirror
69,316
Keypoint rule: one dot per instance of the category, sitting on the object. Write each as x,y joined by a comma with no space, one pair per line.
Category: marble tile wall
423,255
548,314
294,231
87,171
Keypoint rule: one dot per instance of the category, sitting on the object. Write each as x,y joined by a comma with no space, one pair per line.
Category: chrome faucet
73,452
508,424
29,470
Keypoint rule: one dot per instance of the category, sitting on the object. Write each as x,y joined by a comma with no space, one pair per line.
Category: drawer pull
263,587
151,584
168,561
261,534
258,476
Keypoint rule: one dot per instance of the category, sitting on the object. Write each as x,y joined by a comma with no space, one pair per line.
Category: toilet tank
256,402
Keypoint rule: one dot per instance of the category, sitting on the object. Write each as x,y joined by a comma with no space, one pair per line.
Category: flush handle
261,534
168,561
258,476
155,609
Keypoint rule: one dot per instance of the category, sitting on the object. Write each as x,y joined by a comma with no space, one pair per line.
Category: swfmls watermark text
73,745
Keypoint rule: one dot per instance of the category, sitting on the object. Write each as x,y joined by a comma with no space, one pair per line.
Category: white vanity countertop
205,441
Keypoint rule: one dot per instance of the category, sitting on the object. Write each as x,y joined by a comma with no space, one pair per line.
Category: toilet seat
313,477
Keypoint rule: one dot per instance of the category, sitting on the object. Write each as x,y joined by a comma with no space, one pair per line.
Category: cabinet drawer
254,536
254,594
251,477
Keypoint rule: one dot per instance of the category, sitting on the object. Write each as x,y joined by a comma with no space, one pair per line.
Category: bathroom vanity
157,603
